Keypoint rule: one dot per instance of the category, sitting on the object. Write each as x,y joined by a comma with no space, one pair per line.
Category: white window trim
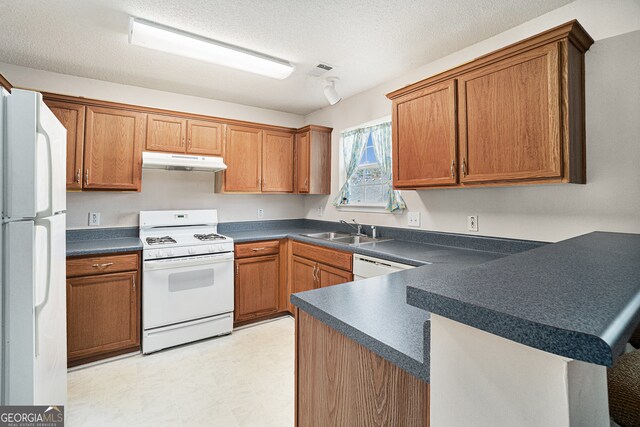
381,209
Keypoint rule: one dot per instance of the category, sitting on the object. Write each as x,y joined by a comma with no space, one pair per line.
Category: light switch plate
414,219
94,219
472,222
260,213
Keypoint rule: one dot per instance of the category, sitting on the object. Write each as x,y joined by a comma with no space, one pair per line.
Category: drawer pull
102,266
258,249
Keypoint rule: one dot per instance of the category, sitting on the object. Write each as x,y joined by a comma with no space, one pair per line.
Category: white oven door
181,289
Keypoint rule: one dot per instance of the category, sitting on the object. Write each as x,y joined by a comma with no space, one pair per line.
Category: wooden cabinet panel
331,257
510,119
257,290
424,137
103,315
245,250
277,162
320,161
243,156
204,137
341,383
72,118
303,274
166,133
329,276
303,151
101,264
113,147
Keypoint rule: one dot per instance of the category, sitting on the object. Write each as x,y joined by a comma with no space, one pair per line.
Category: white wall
162,189
611,198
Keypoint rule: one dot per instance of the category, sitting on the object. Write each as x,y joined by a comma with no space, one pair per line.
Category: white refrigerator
34,339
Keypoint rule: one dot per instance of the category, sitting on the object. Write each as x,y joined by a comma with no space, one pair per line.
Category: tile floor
245,379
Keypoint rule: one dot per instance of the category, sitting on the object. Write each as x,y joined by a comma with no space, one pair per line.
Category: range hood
185,162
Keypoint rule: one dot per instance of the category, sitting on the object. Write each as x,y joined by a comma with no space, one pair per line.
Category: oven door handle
162,264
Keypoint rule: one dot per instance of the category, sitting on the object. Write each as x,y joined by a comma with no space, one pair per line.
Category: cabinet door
330,276
204,137
303,274
243,156
303,150
166,133
424,137
72,118
102,314
510,119
277,162
257,286
112,151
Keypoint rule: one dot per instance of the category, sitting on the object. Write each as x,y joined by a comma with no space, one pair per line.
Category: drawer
245,250
332,257
102,264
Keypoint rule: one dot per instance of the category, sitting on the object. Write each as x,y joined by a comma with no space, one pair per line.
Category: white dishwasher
366,266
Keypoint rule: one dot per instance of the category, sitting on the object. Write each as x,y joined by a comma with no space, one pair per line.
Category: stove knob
192,251
169,252
211,248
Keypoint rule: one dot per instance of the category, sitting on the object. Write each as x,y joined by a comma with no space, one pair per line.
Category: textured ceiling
368,41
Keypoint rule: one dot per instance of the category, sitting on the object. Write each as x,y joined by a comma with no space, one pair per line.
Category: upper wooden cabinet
519,119
258,160
204,137
313,160
243,156
180,135
277,162
424,150
72,118
113,147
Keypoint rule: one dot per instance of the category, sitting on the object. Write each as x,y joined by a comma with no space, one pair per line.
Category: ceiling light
330,91
156,36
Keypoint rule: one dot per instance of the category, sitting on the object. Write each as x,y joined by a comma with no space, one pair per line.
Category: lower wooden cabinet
257,287
313,266
103,307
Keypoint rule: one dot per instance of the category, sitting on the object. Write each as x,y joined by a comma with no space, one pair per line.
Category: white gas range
187,276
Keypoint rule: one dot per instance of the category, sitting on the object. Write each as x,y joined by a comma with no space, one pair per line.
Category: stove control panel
160,253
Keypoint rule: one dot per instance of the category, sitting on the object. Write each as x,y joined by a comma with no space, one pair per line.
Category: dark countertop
579,298
95,241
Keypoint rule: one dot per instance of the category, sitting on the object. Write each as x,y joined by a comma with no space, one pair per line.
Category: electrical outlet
94,219
320,210
260,213
472,222
414,219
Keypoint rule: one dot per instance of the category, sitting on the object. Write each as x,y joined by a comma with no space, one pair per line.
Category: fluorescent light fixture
330,91
156,36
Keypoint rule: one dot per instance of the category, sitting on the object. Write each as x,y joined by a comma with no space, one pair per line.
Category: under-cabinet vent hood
183,162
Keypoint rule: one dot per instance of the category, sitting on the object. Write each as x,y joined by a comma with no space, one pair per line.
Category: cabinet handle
102,266
182,145
189,143
453,172
237,269
305,182
86,177
78,176
258,249
464,168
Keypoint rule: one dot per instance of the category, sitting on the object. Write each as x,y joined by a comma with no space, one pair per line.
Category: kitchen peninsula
540,326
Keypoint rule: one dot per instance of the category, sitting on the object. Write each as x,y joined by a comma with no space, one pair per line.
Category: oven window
184,281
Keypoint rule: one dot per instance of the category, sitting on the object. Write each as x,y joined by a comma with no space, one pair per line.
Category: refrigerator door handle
49,211
46,224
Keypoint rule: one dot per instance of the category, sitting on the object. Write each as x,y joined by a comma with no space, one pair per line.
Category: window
367,186
367,169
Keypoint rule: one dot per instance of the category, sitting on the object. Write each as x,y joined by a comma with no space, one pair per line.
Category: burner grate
207,237
160,240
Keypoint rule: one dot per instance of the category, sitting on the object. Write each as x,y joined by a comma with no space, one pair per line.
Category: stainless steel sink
359,240
328,235
344,238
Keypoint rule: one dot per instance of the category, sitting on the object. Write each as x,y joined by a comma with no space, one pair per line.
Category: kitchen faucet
355,226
